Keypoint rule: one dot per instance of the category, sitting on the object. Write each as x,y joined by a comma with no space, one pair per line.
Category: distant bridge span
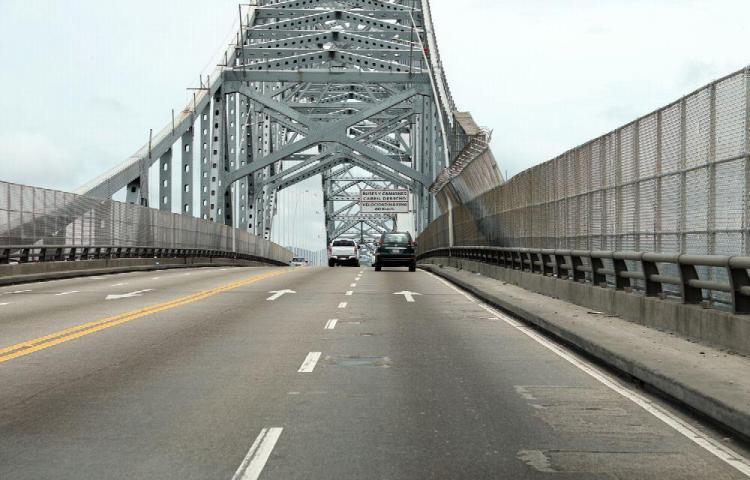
353,91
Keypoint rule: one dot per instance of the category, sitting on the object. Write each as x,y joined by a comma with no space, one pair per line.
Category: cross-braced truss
348,90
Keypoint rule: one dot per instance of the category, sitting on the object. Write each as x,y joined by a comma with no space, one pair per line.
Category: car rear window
397,239
343,243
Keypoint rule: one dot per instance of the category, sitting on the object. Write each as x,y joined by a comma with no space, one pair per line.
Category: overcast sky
83,81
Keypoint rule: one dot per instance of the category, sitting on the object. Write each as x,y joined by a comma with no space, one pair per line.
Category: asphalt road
197,375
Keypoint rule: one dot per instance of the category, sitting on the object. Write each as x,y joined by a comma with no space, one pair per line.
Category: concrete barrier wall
713,327
34,272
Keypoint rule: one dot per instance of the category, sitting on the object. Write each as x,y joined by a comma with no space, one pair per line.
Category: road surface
306,373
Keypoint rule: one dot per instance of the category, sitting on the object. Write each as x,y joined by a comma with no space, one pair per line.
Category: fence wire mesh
36,216
675,180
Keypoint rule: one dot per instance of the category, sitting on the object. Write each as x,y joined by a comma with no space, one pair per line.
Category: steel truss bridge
352,91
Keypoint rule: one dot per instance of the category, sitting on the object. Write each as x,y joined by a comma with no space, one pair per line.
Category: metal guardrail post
24,255
576,267
650,270
690,294
740,285
597,266
621,267
548,268
560,266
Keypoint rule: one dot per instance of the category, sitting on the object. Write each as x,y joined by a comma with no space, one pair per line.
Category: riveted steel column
218,144
165,181
229,126
188,140
242,158
205,158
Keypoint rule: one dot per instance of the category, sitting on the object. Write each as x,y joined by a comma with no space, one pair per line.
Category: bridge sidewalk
712,382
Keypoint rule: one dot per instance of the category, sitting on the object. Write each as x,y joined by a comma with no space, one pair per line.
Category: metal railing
624,271
22,254
52,223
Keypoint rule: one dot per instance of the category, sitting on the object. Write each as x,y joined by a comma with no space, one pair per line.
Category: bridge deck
188,368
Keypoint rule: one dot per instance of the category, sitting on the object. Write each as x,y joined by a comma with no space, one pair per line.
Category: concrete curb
703,402
90,270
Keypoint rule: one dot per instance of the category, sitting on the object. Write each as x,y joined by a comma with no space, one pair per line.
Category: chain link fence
31,216
673,181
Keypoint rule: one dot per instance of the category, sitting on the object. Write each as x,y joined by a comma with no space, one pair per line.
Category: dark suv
396,249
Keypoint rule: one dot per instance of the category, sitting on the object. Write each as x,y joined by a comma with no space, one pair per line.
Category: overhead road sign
384,201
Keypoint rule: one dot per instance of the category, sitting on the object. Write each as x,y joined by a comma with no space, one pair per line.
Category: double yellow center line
42,343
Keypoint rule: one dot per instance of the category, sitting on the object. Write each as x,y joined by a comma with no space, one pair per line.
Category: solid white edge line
722,452
257,457
309,364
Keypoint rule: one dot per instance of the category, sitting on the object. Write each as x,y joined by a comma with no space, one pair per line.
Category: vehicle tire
413,267
356,264
378,268
331,263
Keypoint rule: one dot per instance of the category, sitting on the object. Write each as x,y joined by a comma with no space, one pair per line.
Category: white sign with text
384,201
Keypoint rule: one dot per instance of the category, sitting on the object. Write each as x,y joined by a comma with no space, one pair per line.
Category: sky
83,82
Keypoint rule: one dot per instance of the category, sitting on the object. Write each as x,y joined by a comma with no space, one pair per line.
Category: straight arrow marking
277,294
139,293
409,296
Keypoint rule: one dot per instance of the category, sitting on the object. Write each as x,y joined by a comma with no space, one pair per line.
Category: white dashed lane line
353,285
343,305
331,324
66,293
309,364
349,293
255,460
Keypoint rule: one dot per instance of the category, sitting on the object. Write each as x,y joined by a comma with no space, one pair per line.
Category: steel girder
351,90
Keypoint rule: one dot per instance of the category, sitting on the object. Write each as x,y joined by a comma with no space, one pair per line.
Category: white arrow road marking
256,459
277,294
128,295
408,295
309,364
66,293
331,324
